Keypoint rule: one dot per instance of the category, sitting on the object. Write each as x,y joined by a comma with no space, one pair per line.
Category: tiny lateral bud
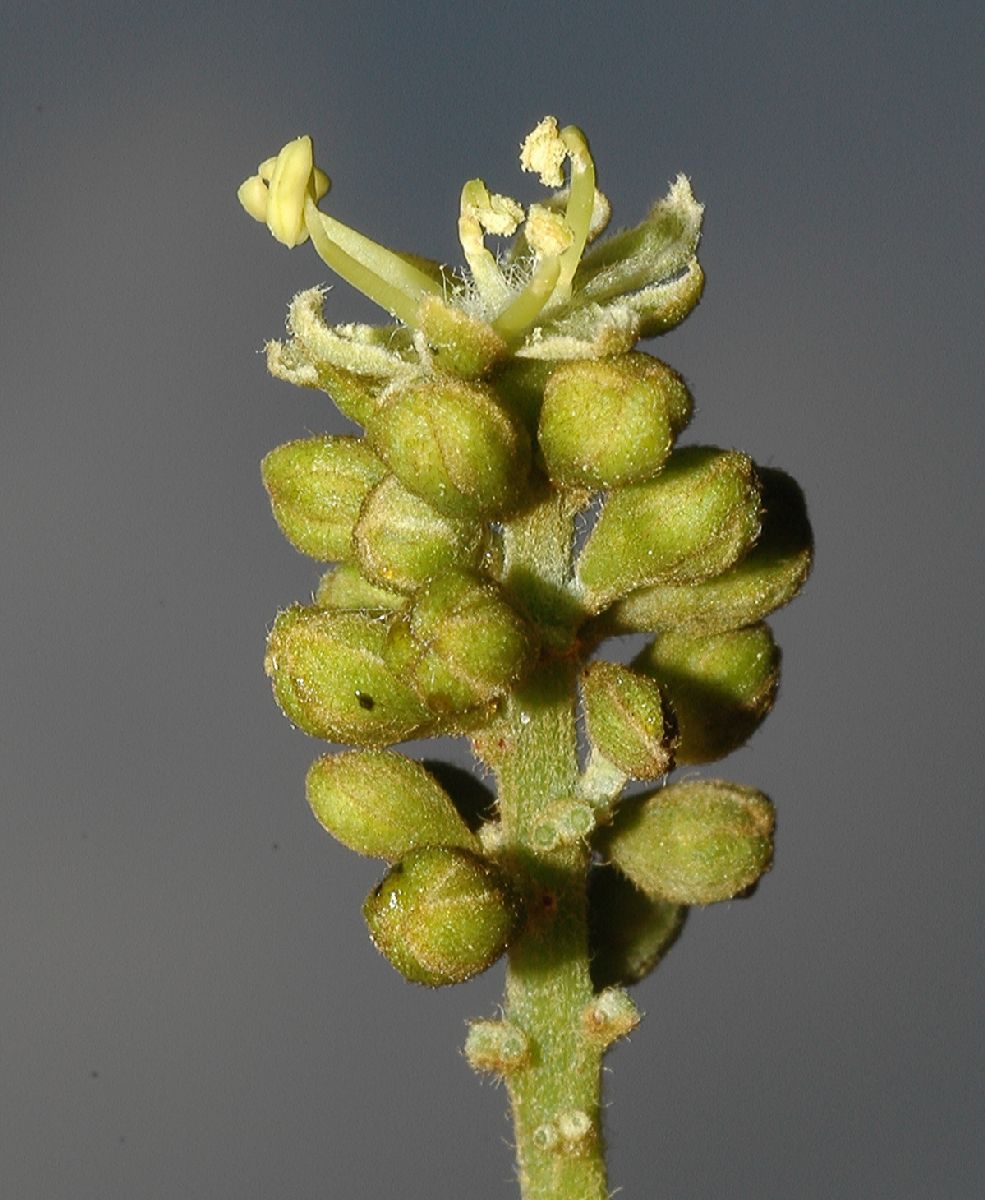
576,1130
564,822
546,1136
610,1016
497,1046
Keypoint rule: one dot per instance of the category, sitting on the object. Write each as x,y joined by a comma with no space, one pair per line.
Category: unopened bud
345,587
720,686
458,342
629,932
692,522
453,444
383,804
317,486
441,915
460,644
401,542
769,576
693,842
627,720
611,422
330,678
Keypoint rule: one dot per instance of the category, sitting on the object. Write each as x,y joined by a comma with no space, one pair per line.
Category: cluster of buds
500,393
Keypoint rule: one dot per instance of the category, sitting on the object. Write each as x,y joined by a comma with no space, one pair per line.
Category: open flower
550,296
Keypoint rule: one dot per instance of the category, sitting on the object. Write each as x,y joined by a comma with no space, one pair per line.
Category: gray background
190,1006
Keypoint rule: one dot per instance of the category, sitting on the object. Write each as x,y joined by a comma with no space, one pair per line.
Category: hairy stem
555,1093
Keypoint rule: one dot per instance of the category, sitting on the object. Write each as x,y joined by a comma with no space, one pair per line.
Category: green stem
555,1093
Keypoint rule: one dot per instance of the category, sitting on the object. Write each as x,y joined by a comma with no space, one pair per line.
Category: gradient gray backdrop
190,1007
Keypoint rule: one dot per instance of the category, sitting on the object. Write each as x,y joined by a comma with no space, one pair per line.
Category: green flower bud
458,342
693,842
460,644
629,932
401,541
769,576
692,522
608,423
355,396
453,444
345,587
317,486
330,679
521,382
441,915
383,804
721,687
627,720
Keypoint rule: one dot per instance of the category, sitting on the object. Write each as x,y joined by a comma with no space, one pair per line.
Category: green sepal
694,842
330,678
628,720
721,686
382,804
344,587
457,342
353,363
629,932
769,576
355,396
441,915
694,521
664,305
451,442
609,423
401,542
459,644
657,250
317,486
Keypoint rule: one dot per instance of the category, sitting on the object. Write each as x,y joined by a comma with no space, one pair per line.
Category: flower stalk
504,406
